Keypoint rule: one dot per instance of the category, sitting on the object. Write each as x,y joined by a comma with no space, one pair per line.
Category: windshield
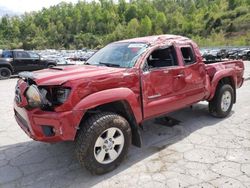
118,55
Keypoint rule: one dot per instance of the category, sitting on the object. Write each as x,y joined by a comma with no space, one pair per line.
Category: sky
21,6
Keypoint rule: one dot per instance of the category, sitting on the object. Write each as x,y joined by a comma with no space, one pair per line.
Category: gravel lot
200,151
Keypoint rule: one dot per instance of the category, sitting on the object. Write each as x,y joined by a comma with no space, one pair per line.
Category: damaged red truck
101,104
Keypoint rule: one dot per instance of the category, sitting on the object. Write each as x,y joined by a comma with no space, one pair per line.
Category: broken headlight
44,97
33,96
37,97
60,94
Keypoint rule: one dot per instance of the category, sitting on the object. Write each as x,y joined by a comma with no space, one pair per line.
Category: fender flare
112,95
226,73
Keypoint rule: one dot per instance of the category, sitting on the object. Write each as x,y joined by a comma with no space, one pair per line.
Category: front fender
220,75
112,95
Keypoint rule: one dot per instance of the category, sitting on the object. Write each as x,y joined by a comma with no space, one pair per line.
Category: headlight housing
33,96
46,97
60,94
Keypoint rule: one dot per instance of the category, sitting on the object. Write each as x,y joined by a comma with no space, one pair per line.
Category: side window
162,58
7,54
188,55
33,55
22,55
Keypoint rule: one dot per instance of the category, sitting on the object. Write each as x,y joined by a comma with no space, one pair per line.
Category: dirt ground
198,151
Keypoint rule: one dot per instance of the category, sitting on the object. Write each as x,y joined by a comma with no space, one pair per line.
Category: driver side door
163,84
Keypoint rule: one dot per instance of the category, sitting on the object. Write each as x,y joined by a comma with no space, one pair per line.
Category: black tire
215,106
50,65
5,73
90,131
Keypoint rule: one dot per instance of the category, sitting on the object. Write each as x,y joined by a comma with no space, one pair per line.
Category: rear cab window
188,55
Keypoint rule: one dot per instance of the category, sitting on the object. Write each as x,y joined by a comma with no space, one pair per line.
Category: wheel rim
109,145
4,73
226,101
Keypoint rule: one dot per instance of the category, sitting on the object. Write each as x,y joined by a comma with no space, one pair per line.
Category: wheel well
51,64
7,66
230,81
122,108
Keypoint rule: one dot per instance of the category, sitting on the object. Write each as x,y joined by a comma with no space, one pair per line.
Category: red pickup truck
101,104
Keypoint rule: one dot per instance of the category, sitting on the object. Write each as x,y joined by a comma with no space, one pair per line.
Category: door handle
179,75
165,71
154,96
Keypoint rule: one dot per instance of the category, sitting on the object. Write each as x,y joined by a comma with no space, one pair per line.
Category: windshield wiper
109,64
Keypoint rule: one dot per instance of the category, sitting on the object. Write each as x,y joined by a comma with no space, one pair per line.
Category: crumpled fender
112,95
218,76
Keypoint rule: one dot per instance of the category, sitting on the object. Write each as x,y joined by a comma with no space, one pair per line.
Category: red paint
163,90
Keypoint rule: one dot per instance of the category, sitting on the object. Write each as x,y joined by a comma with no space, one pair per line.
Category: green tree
146,26
160,23
232,4
96,23
131,13
133,28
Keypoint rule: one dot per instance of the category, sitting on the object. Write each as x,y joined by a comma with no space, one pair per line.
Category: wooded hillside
93,24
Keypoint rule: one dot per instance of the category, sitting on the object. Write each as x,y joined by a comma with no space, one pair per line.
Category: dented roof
157,39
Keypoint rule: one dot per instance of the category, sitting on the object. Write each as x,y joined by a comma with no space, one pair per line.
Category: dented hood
60,75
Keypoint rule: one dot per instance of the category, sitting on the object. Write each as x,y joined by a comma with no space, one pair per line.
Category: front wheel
5,73
221,105
103,142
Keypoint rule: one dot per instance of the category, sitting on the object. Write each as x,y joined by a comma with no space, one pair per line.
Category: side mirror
146,68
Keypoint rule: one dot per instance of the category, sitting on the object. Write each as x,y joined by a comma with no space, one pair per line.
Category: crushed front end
35,110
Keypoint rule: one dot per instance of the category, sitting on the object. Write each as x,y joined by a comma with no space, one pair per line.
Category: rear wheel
244,58
5,73
50,65
103,142
221,105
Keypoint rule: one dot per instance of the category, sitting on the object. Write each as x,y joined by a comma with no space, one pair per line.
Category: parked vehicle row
15,61
213,54
67,56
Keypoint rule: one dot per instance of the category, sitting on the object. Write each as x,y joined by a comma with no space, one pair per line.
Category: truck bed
219,67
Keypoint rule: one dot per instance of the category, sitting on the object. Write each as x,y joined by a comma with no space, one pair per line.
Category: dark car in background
212,55
220,53
14,61
244,54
